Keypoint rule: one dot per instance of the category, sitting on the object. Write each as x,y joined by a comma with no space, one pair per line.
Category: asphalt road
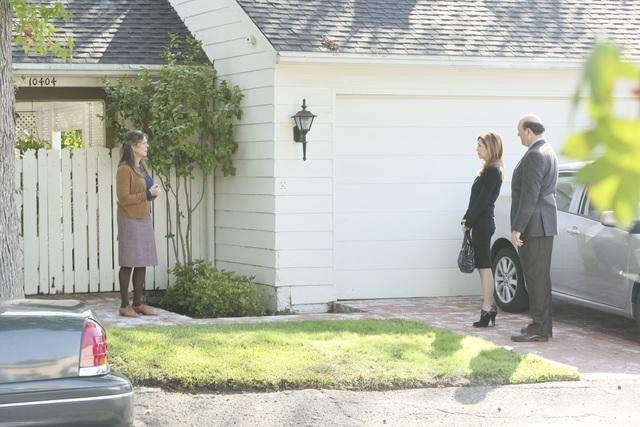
591,402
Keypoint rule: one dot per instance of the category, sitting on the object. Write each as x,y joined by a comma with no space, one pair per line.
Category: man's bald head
530,127
533,122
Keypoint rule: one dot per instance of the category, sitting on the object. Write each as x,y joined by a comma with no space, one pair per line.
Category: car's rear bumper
97,401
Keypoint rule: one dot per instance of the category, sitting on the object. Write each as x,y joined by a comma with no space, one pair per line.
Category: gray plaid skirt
136,242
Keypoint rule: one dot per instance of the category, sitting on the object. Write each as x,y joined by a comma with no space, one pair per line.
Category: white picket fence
67,205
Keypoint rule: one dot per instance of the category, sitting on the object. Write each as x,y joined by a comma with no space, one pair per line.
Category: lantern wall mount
303,120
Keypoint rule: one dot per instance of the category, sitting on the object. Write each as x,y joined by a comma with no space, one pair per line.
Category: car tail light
93,350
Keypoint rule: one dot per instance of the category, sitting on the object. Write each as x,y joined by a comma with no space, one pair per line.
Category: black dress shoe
529,338
525,331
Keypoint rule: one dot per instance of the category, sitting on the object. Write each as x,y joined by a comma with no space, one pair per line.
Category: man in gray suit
534,222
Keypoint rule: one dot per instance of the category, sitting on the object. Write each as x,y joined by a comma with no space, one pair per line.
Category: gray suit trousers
535,255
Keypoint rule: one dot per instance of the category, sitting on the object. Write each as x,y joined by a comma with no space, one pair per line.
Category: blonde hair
493,143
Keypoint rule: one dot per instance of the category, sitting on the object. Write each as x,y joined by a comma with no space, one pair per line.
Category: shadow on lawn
489,368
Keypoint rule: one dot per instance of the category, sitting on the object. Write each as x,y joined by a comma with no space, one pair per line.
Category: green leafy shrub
201,290
30,142
72,139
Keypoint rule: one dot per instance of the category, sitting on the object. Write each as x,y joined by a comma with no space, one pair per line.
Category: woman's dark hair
132,138
536,128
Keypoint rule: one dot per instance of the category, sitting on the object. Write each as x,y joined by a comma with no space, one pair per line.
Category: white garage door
403,172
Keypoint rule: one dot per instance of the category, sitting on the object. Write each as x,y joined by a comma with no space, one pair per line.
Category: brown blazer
131,189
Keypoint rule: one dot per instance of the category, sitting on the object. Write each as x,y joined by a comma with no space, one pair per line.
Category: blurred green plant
72,139
612,144
33,29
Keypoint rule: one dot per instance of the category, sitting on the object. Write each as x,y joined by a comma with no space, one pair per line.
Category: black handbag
466,263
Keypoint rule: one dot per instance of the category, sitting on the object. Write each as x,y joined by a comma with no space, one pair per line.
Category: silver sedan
595,263
54,368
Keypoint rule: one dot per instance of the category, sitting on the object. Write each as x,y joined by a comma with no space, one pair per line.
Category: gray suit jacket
533,192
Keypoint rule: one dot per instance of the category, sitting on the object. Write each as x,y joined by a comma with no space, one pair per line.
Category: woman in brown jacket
136,243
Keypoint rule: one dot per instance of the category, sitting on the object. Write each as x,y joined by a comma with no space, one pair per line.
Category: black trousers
535,256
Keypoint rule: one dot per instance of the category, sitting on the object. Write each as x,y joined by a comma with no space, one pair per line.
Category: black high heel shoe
485,318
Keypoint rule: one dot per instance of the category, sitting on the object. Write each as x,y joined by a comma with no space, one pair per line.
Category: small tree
613,143
187,113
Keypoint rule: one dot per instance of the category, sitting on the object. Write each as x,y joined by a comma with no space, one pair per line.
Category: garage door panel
398,254
392,169
403,169
389,226
406,140
450,151
446,111
404,283
359,197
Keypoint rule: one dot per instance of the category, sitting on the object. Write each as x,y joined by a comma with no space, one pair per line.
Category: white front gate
67,205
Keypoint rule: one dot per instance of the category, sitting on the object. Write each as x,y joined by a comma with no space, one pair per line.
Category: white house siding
374,211
304,195
244,204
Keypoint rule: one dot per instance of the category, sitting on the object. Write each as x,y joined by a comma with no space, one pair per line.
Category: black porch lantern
304,120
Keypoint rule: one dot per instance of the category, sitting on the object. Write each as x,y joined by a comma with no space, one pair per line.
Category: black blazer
484,192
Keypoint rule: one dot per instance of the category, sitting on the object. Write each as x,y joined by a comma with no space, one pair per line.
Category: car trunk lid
40,339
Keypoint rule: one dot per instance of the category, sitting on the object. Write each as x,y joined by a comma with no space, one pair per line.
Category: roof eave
291,57
83,69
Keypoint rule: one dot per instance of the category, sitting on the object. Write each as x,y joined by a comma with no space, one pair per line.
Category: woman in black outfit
479,218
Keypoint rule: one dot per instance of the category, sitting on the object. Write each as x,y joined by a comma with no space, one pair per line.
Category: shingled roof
451,28
115,32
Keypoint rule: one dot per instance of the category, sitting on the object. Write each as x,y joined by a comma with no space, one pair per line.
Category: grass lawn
346,354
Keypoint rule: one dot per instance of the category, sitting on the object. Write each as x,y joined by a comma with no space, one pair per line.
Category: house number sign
42,81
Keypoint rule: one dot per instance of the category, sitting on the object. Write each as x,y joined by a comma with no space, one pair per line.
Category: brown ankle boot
128,311
144,309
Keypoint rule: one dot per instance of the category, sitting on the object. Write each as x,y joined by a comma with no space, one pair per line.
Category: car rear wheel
510,291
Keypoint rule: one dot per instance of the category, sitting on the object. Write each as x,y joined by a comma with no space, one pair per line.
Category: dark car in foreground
595,263
54,369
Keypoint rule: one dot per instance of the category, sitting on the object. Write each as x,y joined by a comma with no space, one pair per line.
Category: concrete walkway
593,342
